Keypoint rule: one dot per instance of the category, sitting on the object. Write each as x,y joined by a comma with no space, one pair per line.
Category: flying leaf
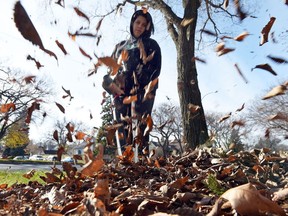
27,29
286,2
70,127
198,59
266,67
149,125
149,88
80,135
186,22
242,196
225,51
81,14
60,152
226,4
237,123
225,117
193,108
38,64
29,79
34,106
29,174
208,32
265,31
92,167
277,60
109,62
55,136
278,116
99,24
60,107
242,15
68,93
7,107
240,73
242,36
84,53
241,108
61,46
129,99
278,90
220,46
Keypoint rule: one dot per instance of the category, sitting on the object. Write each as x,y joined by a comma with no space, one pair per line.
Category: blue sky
218,74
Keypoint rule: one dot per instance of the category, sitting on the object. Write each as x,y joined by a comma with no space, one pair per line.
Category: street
28,167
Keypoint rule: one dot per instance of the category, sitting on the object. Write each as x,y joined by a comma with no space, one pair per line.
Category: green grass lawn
12,177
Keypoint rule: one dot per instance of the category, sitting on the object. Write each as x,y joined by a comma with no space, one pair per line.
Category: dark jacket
144,72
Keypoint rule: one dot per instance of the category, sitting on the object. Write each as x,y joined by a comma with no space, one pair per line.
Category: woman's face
139,26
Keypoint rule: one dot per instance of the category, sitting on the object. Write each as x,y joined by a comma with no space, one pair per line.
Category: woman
141,66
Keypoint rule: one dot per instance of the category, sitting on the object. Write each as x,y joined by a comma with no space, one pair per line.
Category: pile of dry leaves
202,182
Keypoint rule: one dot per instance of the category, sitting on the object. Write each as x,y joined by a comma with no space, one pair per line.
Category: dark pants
142,110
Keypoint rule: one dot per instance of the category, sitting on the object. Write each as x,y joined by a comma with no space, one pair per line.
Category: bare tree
269,117
167,125
224,134
17,94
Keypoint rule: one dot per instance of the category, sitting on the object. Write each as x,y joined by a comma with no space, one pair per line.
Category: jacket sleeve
155,64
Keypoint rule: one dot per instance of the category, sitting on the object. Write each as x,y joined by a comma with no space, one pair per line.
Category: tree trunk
194,124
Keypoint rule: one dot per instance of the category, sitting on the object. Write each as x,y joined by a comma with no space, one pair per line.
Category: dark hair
147,33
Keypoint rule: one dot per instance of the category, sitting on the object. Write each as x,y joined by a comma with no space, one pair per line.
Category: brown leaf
55,136
29,174
286,2
266,67
265,31
34,106
241,108
198,59
60,107
70,127
84,53
27,29
81,14
109,62
80,135
99,24
179,183
225,117
149,88
278,90
149,125
238,123
226,4
7,107
242,196
220,46
29,79
129,99
92,167
240,73
208,32
193,108
61,46
278,60
60,152
278,116
242,15
225,51
38,64
242,36
186,22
